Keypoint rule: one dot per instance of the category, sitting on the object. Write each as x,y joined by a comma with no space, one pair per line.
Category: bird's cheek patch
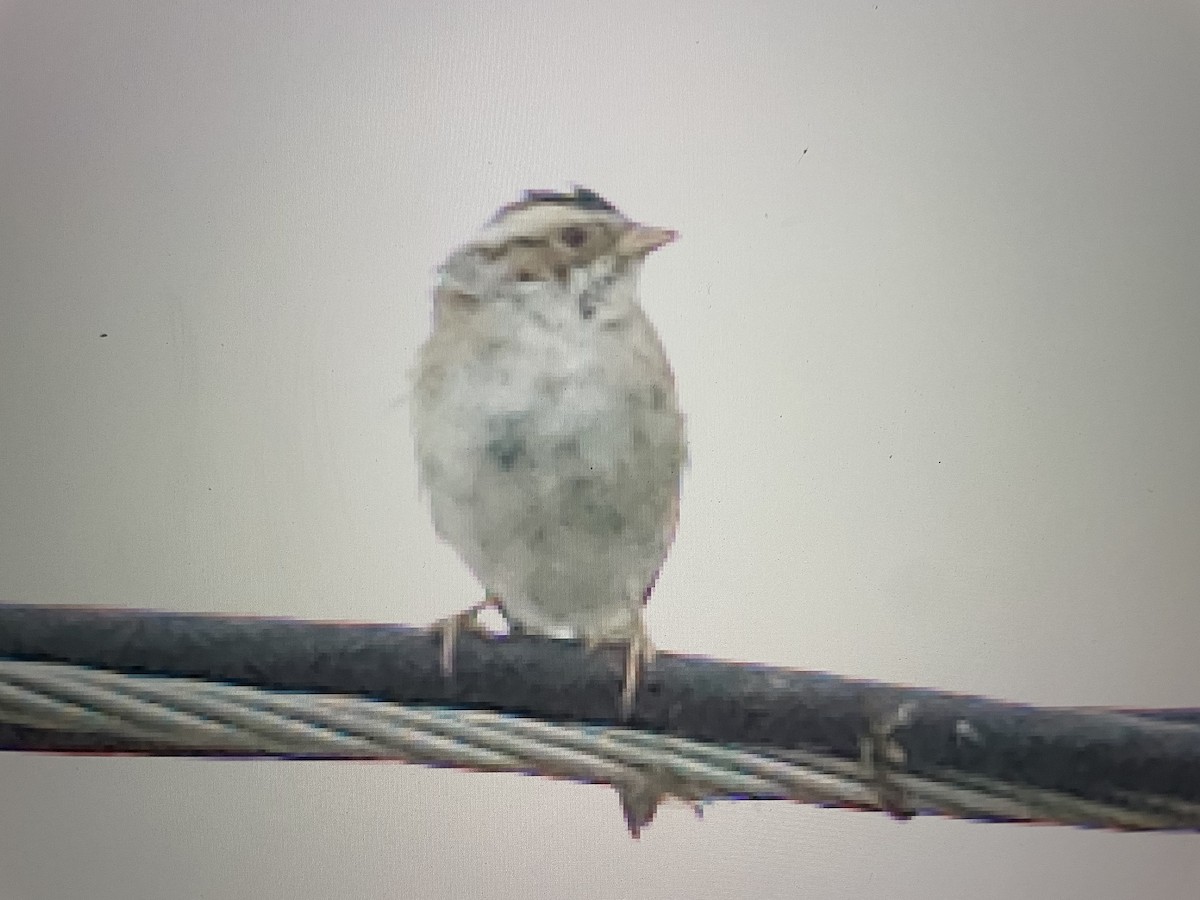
532,263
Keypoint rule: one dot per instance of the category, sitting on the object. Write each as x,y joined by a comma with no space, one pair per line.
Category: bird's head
569,230
553,243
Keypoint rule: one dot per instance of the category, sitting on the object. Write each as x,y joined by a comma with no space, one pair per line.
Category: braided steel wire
207,718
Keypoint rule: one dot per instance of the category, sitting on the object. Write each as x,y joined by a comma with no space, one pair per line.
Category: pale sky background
934,318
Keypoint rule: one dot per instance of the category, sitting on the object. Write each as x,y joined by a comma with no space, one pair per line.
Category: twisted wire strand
202,717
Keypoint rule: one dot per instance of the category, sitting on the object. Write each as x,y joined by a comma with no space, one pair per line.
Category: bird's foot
468,620
639,653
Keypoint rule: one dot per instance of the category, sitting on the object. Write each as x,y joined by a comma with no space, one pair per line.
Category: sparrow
546,423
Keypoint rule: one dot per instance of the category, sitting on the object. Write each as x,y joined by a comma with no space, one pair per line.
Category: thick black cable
1092,754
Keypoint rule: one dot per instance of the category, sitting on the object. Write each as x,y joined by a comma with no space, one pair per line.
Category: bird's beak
641,239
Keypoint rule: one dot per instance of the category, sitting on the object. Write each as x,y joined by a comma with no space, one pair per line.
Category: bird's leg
450,627
639,653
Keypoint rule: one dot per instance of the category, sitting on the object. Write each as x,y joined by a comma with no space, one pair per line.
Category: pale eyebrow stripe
539,219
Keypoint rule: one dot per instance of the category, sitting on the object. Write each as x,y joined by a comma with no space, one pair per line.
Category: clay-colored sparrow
546,424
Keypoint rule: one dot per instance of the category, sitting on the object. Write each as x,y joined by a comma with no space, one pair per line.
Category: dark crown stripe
580,198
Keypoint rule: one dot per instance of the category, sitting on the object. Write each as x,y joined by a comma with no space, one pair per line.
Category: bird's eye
573,236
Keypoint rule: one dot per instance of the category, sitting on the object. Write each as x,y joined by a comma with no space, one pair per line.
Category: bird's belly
558,488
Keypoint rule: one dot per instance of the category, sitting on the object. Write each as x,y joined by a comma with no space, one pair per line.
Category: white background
933,317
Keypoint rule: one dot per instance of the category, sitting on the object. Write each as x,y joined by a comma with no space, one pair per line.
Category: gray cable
196,716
